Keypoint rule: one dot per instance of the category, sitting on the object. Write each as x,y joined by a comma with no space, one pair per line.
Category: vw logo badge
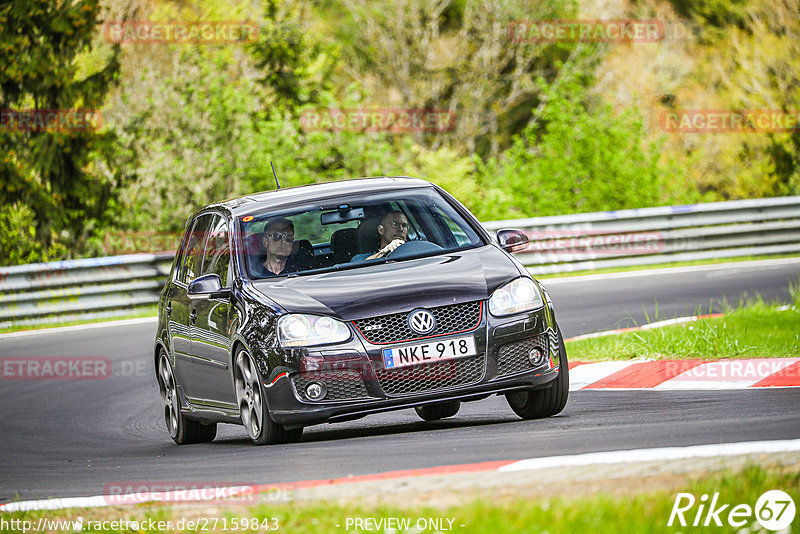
421,321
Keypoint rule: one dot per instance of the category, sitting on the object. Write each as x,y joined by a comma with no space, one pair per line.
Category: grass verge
754,330
643,509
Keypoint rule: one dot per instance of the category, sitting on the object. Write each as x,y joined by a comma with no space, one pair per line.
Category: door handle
168,308
193,316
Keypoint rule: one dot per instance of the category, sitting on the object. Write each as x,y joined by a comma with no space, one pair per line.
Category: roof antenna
275,175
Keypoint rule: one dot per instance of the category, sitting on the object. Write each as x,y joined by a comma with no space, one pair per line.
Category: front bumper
285,408
359,385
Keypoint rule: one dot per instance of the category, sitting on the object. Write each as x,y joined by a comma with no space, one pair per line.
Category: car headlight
298,330
516,296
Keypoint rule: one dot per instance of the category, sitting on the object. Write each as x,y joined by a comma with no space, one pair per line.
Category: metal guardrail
567,243
62,291
106,287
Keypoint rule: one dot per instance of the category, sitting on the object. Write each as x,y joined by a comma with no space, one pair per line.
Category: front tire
544,402
434,412
181,429
253,407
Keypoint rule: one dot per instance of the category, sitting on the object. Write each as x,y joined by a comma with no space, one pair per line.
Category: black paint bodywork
201,337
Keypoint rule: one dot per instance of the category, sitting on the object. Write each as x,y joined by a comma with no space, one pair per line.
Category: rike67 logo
774,510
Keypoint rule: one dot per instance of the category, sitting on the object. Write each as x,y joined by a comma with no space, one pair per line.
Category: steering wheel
413,248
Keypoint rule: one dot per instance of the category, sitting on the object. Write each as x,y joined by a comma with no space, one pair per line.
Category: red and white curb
503,466
682,374
685,374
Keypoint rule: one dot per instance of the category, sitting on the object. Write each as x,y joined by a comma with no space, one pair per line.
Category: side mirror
512,240
208,286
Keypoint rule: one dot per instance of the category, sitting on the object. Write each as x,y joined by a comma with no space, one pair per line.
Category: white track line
594,458
655,455
647,326
78,327
589,373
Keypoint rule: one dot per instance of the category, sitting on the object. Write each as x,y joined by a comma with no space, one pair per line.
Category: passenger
393,232
277,240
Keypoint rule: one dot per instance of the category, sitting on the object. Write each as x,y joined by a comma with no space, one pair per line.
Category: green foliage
18,242
295,67
535,133
578,155
452,55
751,63
207,128
712,16
65,178
192,128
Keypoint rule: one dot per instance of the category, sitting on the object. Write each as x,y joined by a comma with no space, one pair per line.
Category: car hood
394,287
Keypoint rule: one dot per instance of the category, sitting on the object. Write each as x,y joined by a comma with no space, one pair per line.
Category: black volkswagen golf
329,302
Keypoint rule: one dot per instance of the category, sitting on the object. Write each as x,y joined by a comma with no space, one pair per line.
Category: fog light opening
536,356
316,391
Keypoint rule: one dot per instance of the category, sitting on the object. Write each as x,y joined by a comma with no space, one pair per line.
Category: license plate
434,351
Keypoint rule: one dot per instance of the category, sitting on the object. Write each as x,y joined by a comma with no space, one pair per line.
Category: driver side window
193,258
216,258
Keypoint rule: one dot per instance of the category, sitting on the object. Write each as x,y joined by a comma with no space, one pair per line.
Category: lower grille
432,376
513,357
344,384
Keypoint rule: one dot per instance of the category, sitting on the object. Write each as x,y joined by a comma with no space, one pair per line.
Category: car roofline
290,195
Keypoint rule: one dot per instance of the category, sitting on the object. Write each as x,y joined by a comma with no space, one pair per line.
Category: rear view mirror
344,214
512,240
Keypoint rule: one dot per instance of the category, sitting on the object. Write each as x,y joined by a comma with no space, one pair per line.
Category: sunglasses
277,236
395,224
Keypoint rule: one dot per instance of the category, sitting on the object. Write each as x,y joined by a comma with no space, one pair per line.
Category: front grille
432,376
513,357
344,384
394,328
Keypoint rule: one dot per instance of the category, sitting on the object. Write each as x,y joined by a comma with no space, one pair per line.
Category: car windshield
352,231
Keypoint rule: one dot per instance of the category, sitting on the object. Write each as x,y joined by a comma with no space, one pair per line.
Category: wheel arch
160,345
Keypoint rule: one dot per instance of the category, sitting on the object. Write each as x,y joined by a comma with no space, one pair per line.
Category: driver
393,231
277,241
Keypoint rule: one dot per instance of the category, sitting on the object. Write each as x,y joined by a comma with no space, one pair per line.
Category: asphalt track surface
80,437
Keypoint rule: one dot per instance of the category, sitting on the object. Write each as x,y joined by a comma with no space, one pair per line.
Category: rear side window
193,257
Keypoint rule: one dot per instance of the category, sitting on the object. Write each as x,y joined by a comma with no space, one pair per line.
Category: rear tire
253,406
434,412
181,429
544,402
